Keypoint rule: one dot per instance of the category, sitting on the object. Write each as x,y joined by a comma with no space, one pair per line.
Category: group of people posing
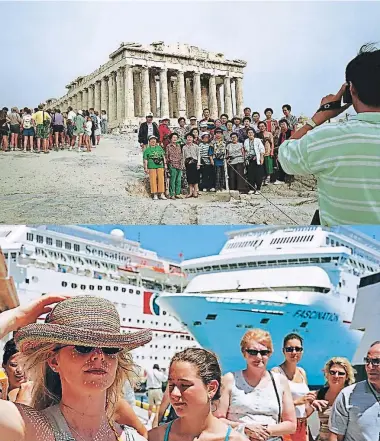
215,154
78,361
41,130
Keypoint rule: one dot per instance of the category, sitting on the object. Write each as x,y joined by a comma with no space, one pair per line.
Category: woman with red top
164,132
267,138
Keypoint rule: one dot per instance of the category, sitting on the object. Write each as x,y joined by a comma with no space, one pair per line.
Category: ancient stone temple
167,80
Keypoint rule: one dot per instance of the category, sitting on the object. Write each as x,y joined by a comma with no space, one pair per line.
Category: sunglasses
89,349
340,373
255,352
293,348
373,361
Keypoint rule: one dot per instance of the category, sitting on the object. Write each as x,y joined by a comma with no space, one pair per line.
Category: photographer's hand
323,116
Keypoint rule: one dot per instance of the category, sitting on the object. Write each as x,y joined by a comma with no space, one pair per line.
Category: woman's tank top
298,390
62,431
255,404
169,426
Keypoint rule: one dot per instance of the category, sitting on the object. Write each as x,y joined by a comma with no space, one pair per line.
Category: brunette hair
207,364
292,336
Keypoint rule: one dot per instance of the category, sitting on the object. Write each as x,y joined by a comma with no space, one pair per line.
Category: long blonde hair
47,389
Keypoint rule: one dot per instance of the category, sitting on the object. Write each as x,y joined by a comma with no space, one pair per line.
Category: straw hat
83,321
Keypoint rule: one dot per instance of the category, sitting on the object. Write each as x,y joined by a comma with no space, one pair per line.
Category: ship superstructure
74,260
290,279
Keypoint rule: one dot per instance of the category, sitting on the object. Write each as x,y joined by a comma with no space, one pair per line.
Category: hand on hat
26,314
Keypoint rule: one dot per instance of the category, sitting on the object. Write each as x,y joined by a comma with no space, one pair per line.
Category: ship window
123,289
123,305
353,300
108,288
26,280
116,288
248,326
348,299
29,236
83,287
64,284
264,321
76,247
129,320
123,319
303,325
74,285
67,245
40,239
6,255
187,337
211,316
163,312
239,326
131,291
100,287
49,241
138,292
92,287
13,255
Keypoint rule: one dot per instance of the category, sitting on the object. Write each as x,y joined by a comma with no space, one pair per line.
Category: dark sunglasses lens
340,374
292,349
83,349
111,351
373,361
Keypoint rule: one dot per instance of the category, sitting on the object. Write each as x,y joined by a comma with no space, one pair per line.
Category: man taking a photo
345,157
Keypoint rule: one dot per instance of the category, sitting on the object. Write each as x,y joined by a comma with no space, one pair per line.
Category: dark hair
57,110
35,109
283,120
190,134
9,350
256,113
229,121
287,106
224,114
375,343
155,366
246,108
261,122
236,117
181,118
268,109
192,131
364,73
205,109
70,108
207,365
171,135
251,129
5,109
28,111
40,107
247,118
292,336
234,134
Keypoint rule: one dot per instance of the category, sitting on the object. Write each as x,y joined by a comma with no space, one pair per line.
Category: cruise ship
75,260
301,279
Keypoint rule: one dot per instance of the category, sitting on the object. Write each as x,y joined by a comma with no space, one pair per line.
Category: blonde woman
339,373
79,361
254,400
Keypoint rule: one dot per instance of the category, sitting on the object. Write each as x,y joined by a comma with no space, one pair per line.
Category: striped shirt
345,158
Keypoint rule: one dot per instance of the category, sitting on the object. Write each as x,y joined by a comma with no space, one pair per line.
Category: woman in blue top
194,384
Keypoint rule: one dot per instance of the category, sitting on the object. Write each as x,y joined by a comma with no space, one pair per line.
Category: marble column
239,96
181,94
90,97
112,97
97,96
79,100
218,100
104,94
137,93
212,101
164,96
175,98
197,95
145,88
189,96
120,98
75,102
85,97
129,101
204,91
153,92
227,97
170,96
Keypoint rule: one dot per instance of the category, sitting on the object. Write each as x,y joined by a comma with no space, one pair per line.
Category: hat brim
33,336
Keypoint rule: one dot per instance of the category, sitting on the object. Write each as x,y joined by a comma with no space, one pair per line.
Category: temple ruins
167,80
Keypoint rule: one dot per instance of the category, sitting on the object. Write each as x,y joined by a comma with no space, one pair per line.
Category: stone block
235,194
222,196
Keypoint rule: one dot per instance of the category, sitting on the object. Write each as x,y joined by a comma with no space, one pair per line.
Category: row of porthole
100,287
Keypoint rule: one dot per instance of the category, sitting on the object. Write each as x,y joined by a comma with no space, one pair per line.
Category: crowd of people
66,376
234,153
39,130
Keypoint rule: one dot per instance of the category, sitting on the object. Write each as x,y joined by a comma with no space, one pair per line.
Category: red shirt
164,132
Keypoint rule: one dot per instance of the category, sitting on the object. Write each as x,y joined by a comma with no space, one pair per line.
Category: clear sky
191,241
296,52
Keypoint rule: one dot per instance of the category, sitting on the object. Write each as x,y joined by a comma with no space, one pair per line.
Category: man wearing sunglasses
355,415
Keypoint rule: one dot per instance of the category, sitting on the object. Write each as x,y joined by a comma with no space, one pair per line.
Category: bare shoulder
158,433
228,378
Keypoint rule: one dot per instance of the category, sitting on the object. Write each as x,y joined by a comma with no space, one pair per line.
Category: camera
347,98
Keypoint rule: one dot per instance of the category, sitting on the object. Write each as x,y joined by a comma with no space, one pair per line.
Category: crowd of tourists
66,377
39,130
239,153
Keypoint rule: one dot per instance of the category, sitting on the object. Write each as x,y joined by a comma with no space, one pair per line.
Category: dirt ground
108,185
